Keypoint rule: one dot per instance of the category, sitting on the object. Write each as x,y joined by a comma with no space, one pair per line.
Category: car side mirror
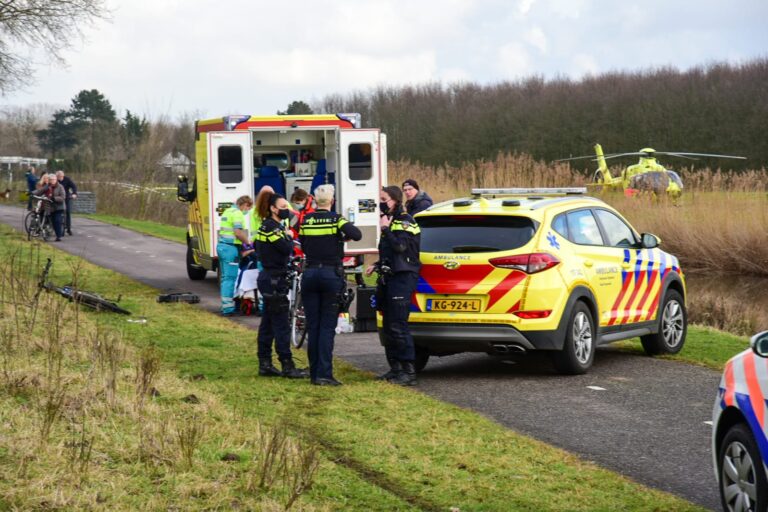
182,190
649,241
759,343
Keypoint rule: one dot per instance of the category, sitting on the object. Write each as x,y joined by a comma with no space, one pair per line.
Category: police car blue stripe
742,400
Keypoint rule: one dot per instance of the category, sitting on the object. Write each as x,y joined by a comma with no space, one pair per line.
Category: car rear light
544,313
528,263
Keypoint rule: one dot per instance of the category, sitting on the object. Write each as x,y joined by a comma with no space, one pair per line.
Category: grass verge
704,346
172,233
380,447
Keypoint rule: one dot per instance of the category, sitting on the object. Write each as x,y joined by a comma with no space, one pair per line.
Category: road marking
169,261
90,236
596,388
708,423
138,252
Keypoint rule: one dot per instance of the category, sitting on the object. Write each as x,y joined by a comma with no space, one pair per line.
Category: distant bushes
718,108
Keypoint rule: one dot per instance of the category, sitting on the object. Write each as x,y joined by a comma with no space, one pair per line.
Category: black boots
266,369
406,376
394,369
290,371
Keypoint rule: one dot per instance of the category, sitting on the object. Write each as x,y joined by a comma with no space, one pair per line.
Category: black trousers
320,290
275,322
393,300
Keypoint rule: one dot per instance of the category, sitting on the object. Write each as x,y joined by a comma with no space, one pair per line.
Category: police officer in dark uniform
398,268
322,236
275,248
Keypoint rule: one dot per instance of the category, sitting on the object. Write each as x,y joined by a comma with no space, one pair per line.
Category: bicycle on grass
38,222
88,299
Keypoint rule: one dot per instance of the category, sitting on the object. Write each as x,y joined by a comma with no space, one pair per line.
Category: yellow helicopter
647,175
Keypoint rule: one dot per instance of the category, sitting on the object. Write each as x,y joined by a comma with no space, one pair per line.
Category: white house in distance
176,163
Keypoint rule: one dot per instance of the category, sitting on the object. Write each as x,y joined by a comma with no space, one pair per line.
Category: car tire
194,271
740,472
578,350
422,358
673,327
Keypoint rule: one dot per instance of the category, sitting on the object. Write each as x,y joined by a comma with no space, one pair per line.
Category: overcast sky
168,57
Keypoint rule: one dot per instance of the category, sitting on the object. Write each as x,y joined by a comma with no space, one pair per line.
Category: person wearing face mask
322,235
275,248
233,238
398,268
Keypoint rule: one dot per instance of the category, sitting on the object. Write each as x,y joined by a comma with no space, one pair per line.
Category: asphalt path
641,417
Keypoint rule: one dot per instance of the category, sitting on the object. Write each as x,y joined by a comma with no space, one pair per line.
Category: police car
514,270
739,443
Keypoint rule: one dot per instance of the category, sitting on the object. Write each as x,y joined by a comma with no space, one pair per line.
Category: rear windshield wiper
474,248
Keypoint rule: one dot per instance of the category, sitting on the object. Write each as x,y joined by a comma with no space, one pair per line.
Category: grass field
104,414
172,233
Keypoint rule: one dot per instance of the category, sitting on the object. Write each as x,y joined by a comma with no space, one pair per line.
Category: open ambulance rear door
230,175
362,162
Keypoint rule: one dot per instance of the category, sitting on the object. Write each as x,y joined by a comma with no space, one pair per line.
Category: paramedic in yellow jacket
233,238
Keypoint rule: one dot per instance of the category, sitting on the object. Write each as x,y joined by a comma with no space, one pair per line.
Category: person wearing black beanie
416,200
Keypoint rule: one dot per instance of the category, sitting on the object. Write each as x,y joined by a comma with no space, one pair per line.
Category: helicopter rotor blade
680,155
700,154
574,158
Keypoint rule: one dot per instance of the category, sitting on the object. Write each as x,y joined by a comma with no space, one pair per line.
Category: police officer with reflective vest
322,235
275,248
398,268
232,237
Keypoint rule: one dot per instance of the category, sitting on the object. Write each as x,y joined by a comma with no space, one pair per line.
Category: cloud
536,38
524,6
513,60
583,64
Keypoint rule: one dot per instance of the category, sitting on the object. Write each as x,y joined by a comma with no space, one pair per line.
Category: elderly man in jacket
59,197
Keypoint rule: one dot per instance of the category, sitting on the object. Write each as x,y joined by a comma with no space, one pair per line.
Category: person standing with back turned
398,268
322,234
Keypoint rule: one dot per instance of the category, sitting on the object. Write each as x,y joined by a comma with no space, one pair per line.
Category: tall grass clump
75,430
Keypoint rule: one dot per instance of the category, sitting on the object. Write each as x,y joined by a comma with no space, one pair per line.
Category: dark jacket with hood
418,204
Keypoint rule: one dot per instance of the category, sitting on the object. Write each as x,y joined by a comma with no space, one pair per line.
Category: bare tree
47,25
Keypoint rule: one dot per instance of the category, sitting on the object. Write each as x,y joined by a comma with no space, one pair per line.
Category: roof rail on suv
479,192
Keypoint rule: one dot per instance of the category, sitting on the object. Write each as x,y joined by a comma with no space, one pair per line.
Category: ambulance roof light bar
479,192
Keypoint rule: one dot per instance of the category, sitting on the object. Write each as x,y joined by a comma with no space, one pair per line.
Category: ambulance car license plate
470,305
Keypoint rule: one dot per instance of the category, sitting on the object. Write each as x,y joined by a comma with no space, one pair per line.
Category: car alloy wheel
738,479
672,323
582,337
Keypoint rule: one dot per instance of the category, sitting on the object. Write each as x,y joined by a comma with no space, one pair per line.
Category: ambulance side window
230,164
582,228
360,166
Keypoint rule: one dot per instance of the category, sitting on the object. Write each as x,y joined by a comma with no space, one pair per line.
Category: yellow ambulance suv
508,271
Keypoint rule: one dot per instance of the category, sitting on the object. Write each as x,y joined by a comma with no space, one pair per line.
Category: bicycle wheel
298,324
35,229
29,218
98,302
46,229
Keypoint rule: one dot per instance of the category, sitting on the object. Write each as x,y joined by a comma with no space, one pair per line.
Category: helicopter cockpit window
618,234
582,228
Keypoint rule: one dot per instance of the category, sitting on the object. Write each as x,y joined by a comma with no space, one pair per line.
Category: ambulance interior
304,159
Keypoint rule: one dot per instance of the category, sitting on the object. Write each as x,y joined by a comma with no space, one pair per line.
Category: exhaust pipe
508,348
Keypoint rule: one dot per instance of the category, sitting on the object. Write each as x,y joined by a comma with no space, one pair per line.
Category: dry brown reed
719,225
